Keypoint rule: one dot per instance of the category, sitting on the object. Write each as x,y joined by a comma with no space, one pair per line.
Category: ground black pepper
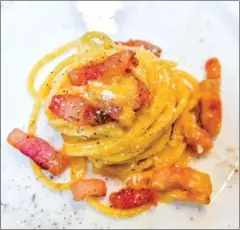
33,197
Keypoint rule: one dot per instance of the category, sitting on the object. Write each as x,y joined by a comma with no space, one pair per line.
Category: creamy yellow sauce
120,93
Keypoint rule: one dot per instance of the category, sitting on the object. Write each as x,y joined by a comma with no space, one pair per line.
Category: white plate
188,32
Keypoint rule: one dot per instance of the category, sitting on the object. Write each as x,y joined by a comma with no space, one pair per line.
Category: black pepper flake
98,142
191,218
33,197
51,177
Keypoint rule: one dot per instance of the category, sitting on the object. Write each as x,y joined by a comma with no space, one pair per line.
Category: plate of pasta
119,135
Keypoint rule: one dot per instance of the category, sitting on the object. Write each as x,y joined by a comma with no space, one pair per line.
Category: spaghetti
132,139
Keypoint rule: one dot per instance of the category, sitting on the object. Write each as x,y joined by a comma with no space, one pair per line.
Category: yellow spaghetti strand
46,59
47,181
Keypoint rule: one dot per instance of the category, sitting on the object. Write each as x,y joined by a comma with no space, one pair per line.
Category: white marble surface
188,32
